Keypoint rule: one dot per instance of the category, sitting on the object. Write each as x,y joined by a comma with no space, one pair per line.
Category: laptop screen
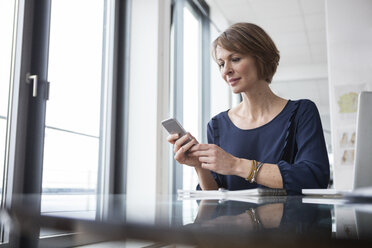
363,149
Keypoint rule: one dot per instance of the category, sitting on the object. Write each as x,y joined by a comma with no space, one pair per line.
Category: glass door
57,73
190,91
7,15
73,113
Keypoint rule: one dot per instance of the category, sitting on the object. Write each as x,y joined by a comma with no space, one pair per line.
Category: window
63,141
190,91
191,85
72,126
7,16
7,10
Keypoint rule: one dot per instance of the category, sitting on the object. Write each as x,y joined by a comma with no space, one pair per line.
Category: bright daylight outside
6,30
191,98
72,132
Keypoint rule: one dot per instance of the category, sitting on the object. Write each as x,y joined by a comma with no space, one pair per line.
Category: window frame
26,122
201,9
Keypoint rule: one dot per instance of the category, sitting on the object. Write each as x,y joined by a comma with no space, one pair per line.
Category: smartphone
173,126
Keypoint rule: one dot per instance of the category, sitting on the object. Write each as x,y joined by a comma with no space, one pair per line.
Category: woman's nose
227,70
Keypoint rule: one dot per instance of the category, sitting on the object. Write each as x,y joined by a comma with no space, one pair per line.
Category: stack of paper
258,195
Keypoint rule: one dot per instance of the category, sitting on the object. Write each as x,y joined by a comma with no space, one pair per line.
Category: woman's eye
235,59
221,65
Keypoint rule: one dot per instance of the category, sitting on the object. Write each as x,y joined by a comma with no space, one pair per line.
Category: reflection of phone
173,126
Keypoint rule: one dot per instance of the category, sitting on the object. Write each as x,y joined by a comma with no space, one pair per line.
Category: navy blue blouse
293,140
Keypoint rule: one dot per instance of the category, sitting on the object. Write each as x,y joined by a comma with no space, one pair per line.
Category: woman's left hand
215,159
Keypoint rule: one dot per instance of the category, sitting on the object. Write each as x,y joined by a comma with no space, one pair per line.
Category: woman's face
238,70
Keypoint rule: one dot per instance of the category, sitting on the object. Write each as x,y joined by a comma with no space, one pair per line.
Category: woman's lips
233,81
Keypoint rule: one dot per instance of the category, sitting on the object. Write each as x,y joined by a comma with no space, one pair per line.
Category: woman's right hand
180,150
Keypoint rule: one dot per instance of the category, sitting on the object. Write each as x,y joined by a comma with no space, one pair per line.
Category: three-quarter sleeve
210,134
213,138
310,166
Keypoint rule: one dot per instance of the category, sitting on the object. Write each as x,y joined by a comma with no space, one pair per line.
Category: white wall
147,172
303,82
349,42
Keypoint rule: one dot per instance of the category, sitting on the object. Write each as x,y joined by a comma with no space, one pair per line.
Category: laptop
363,150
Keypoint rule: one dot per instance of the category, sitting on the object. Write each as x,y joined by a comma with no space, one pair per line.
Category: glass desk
288,221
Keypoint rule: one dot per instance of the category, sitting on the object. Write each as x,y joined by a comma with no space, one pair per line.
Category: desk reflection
261,222
289,215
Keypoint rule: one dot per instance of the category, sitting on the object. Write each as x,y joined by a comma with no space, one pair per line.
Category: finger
176,148
207,166
201,147
182,140
172,138
207,160
179,155
200,153
192,137
189,145
177,145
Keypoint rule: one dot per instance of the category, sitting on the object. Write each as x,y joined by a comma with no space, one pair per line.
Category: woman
265,141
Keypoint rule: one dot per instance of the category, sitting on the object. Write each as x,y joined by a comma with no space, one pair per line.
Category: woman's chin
236,90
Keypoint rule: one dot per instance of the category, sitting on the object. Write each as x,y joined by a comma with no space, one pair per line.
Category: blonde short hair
250,39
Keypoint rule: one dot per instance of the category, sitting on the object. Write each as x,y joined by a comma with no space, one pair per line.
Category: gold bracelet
254,164
254,173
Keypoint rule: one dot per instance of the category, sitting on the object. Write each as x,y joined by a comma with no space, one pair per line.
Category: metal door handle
34,80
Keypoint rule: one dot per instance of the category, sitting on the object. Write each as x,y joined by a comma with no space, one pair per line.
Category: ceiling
296,26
